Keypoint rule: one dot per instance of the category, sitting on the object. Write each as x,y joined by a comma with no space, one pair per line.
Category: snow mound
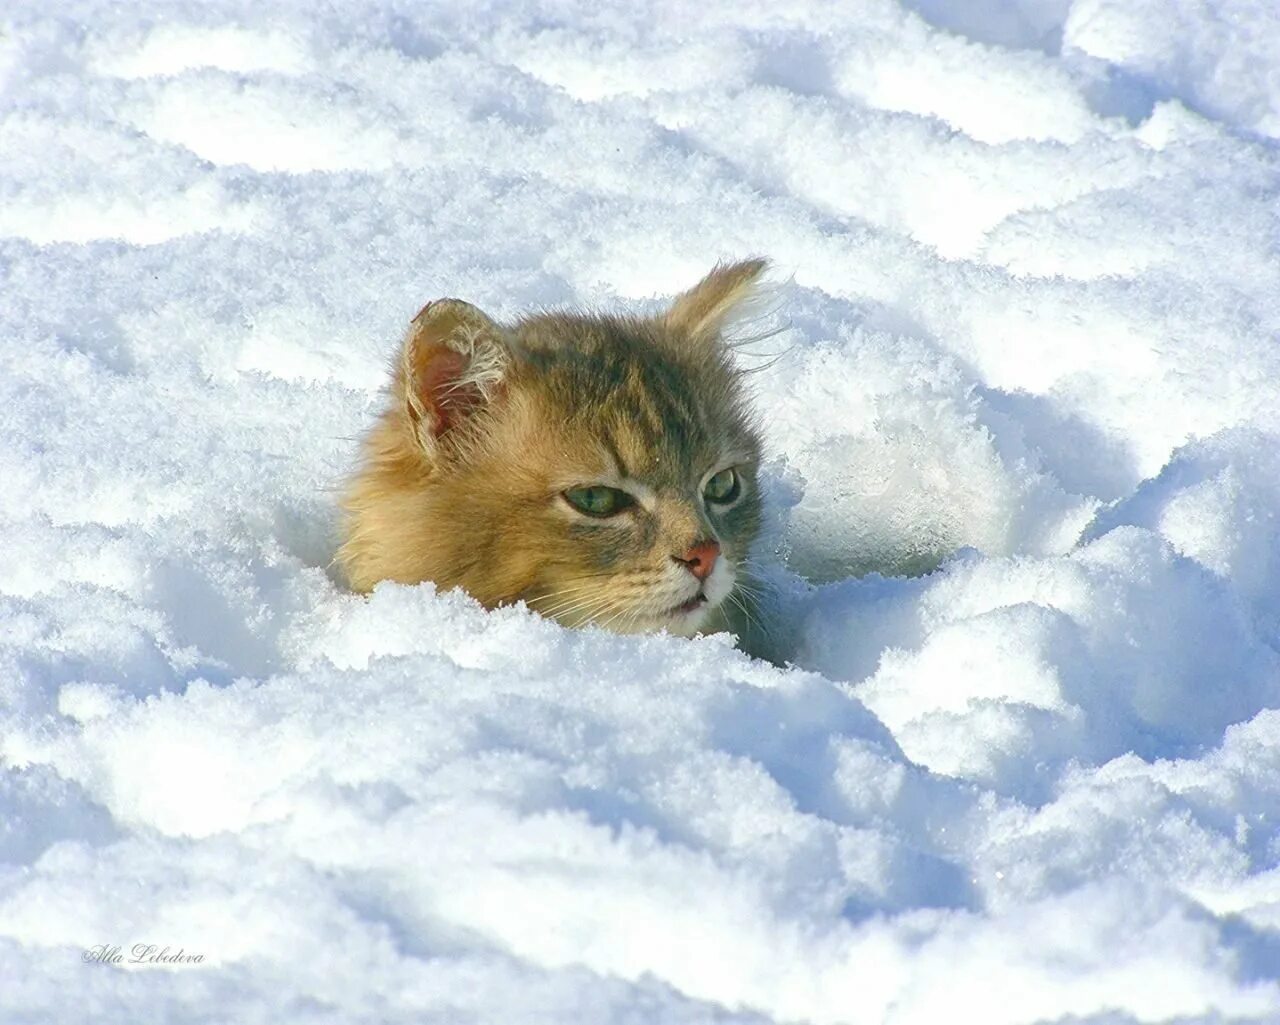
1018,377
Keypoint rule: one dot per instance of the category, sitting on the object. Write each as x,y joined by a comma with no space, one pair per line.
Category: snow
1023,482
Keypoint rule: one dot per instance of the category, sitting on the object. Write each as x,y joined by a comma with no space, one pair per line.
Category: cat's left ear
451,367
702,311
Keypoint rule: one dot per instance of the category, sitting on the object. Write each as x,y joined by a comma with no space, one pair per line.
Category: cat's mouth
695,603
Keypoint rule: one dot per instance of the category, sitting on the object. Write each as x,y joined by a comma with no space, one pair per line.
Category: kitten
603,469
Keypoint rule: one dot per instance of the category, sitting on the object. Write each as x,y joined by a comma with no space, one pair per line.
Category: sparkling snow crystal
1023,489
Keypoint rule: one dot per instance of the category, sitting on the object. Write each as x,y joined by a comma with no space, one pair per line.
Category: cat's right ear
451,368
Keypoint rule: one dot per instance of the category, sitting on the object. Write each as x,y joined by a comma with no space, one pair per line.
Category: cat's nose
700,560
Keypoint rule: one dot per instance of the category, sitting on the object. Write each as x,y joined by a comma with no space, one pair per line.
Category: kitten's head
603,469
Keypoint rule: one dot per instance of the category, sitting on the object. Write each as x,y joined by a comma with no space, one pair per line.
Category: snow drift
1022,487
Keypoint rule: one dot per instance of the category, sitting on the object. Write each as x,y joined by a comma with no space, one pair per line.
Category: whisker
754,593
578,588
564,594
584,616
752,621
610,621
560,593
591,620
575,605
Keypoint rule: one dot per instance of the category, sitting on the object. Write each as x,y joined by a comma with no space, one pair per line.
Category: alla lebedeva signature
140,954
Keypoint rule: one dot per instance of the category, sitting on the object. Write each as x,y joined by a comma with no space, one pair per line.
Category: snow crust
1023,479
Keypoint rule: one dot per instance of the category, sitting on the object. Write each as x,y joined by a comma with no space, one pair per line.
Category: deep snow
1023,484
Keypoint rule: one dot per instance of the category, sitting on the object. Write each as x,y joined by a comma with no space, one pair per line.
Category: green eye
598,500
723,488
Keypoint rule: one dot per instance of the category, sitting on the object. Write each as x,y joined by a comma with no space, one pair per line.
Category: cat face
601,469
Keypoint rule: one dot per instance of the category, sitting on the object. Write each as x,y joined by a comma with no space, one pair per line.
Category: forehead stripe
619,465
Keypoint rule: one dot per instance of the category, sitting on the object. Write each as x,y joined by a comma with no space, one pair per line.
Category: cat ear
702,311
452,366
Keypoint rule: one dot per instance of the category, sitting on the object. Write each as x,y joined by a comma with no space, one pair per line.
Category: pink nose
700,560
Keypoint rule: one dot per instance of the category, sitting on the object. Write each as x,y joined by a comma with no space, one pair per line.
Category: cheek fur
599,548
738,525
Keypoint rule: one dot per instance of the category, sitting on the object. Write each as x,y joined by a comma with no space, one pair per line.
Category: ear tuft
452,366
702,311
